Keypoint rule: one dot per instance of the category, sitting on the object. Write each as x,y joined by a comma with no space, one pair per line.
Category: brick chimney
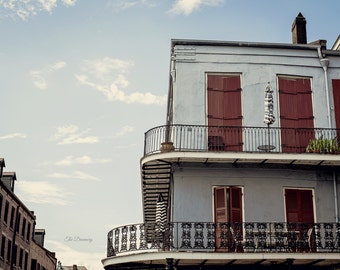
299,33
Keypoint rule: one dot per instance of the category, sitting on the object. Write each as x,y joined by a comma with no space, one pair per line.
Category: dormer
8,178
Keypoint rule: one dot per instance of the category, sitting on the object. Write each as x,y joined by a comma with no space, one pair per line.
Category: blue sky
81,82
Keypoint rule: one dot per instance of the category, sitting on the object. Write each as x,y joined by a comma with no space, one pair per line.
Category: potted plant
323,146
312,146
334,146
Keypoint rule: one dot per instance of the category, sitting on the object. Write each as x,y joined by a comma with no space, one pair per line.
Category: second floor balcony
247,237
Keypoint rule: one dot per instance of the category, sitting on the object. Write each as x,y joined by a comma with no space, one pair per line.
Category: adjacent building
21,246
245,172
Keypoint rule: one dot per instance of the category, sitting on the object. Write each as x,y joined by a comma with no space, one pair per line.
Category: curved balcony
241,139
247,237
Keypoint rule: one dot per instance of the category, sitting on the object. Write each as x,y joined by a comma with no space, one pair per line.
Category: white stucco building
241,193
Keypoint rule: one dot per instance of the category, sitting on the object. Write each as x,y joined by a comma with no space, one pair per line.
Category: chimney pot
299,33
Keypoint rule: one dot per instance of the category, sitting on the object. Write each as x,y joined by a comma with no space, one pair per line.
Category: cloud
186,7
108,76
75,175
125,4
26,8
106,67
114,92
69,256
84,160
69,3
42,192
124,130
38,77
70,134
13,136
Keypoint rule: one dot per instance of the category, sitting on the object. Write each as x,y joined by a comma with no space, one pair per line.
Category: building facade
18,248
247,165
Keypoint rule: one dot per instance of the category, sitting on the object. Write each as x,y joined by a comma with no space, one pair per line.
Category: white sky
82,80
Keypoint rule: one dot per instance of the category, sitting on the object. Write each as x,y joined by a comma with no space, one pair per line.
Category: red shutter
292,209
228,208
235,204
296,113
299,205
220,196
336,98
221,216
224,110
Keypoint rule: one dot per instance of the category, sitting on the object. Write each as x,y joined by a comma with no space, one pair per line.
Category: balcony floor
246,157
198,259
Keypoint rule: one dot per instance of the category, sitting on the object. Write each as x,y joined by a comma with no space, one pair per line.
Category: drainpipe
324,62
335,198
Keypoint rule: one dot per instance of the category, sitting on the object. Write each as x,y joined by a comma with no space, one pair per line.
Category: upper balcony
195,143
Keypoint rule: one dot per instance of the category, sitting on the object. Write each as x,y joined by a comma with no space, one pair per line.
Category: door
224,112
300,219
336,98
228,217
296,113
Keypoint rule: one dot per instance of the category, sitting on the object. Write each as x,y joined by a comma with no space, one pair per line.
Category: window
1,198
28,233
15,252
11,222
228,208
26,260
299,205
33,264
23,228
6,211
336,102
9,249
294,91
224,112
18,223
3,243
21,257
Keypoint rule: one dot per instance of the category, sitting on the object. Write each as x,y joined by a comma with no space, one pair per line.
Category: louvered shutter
296,113
224,110
299,205
336,100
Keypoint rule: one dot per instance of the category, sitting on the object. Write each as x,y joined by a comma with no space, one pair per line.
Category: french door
224,112
296,113
300,219
228,217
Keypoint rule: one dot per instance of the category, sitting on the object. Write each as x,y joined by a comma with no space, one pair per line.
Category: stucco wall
256,66
263,192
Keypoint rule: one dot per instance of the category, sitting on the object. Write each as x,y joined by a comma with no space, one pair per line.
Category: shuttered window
228,217
296,113
299,205
336,99
228,204
224,110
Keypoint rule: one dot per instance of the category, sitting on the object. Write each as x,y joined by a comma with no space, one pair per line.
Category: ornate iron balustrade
239,139
244,237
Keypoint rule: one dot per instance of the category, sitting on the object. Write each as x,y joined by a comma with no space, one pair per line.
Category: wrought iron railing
244,237
237,139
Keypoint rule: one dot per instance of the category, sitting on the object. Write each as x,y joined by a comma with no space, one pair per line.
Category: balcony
247,237
242,139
